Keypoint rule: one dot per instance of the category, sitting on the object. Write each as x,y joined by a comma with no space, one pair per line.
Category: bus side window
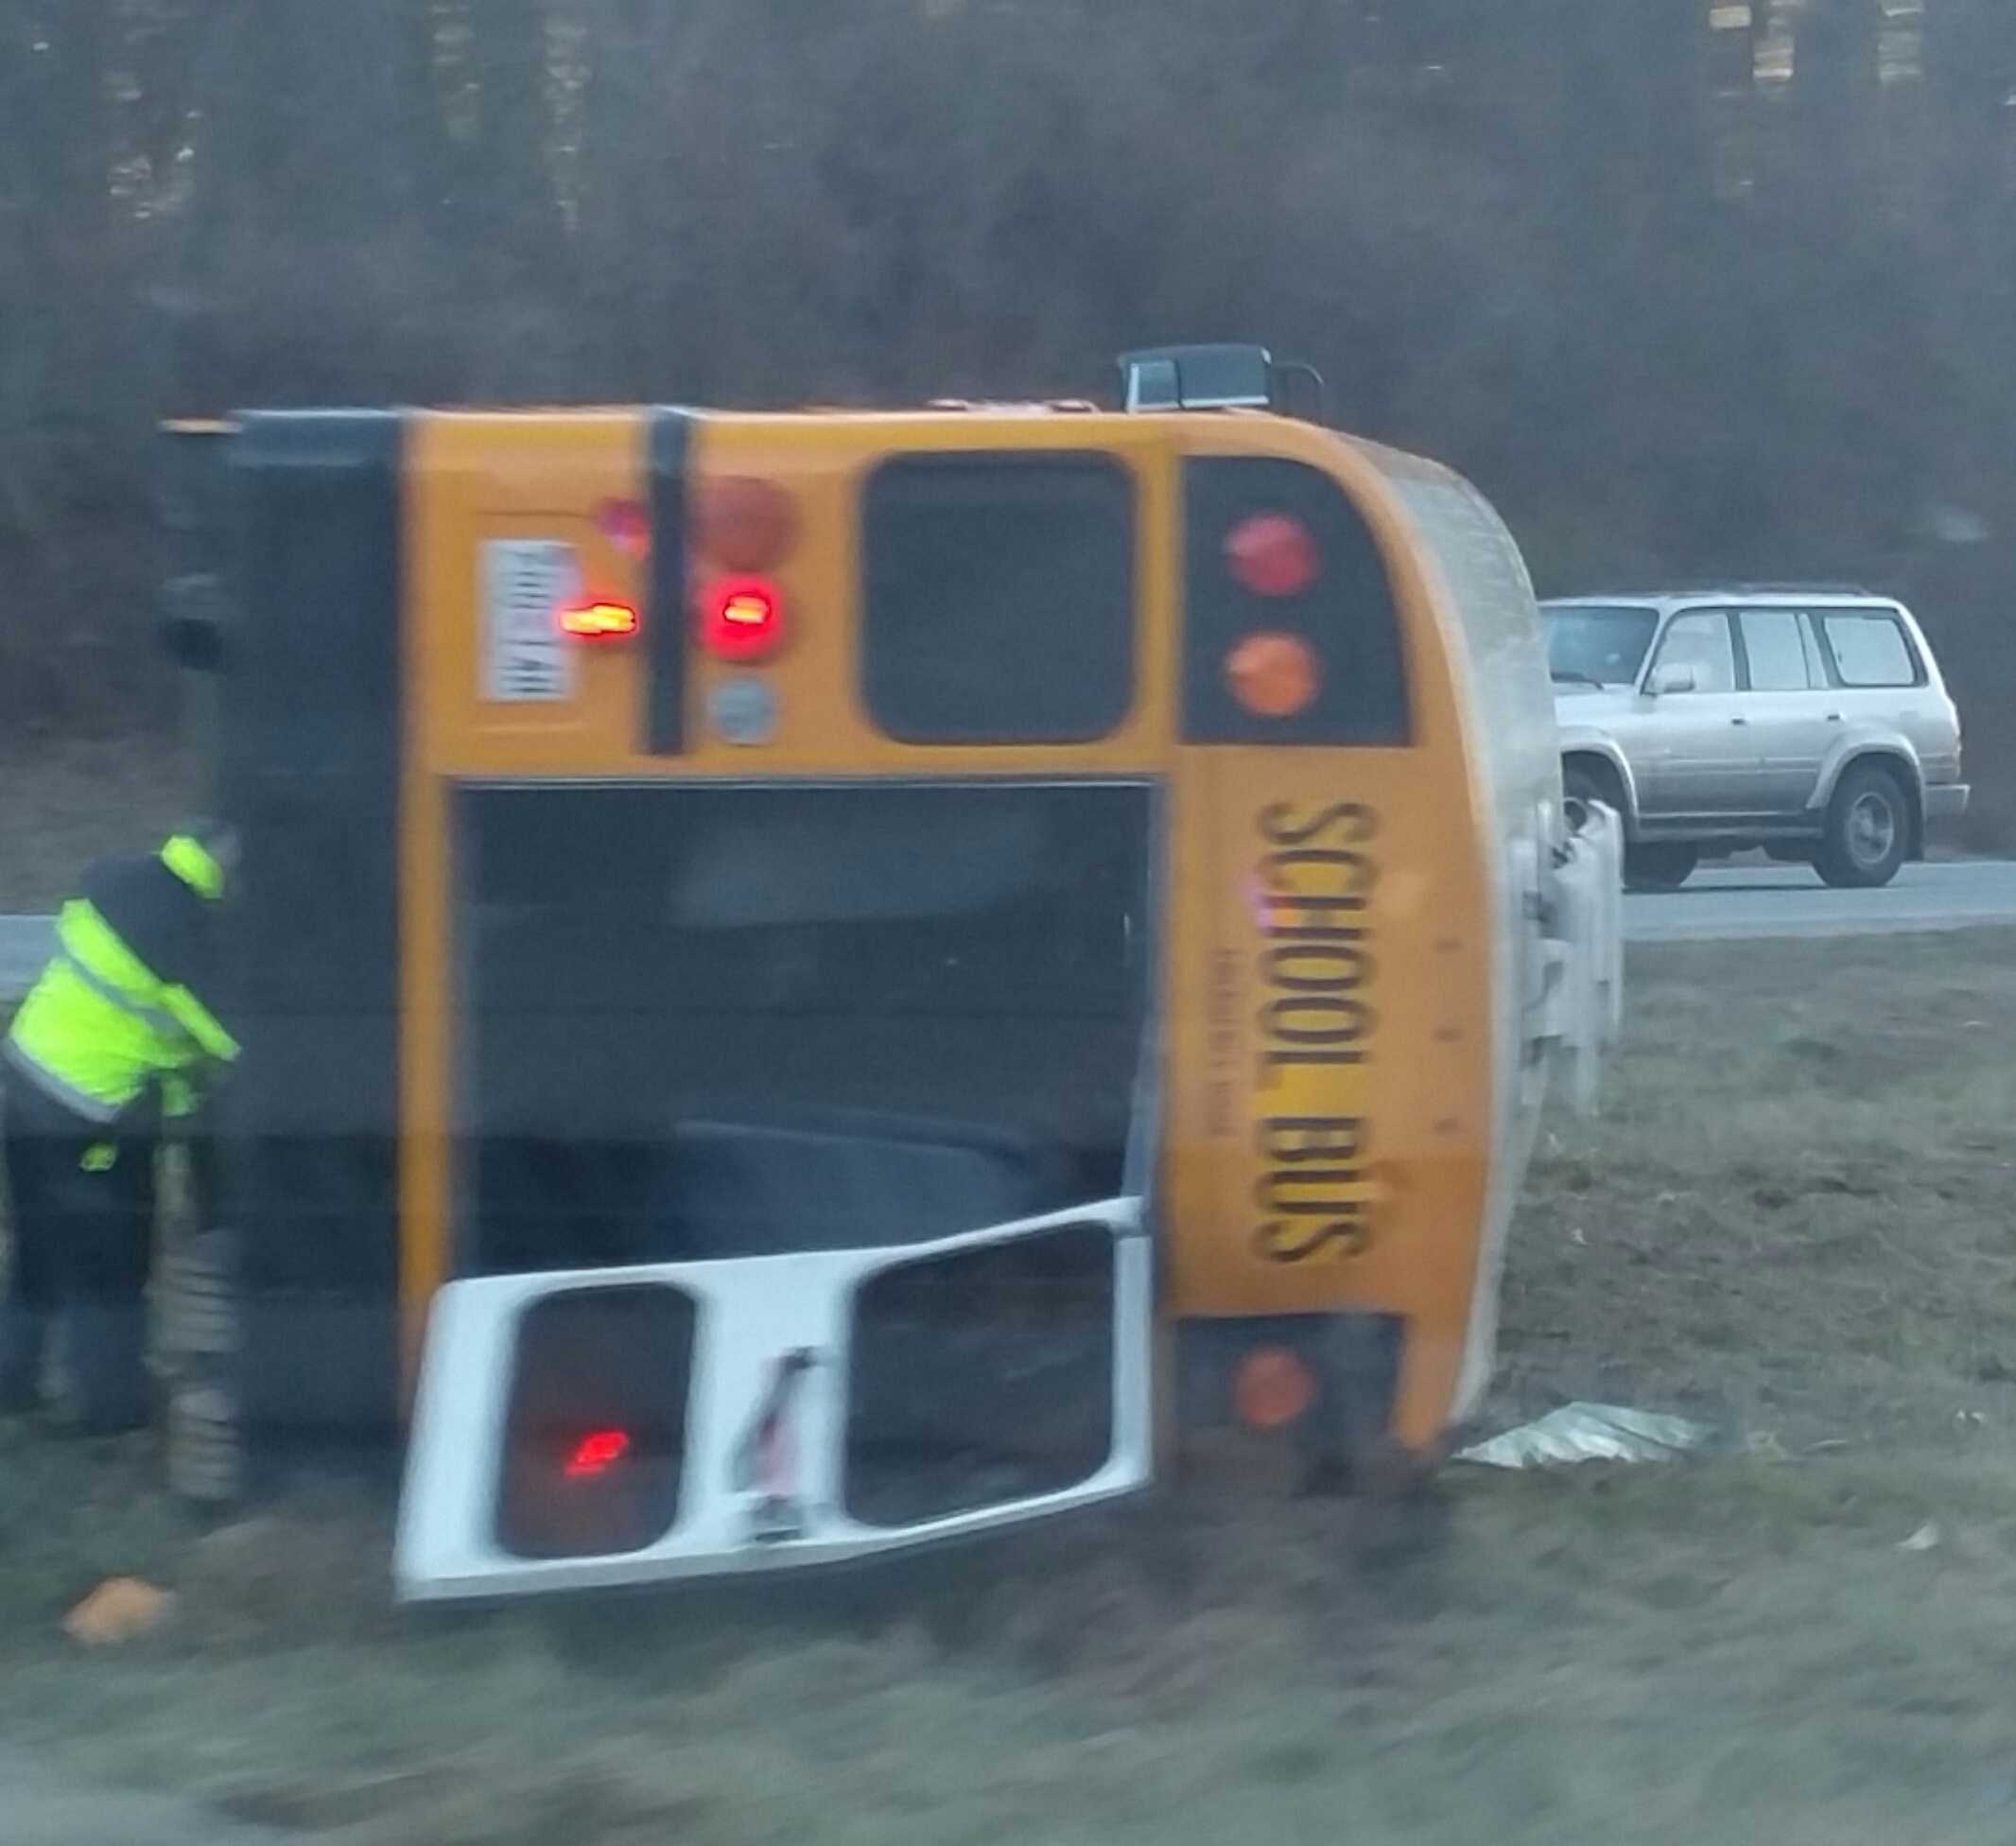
998,596
1331,595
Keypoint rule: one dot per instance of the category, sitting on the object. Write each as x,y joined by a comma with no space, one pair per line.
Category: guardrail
25,944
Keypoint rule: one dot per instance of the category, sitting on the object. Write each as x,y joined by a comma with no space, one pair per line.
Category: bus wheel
1661,865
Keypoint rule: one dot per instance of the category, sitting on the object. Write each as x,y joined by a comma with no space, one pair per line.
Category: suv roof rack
1809,587
1741,586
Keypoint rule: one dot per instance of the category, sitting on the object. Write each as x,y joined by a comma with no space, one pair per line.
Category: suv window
1774,646
1869,648
1598,645
1701,641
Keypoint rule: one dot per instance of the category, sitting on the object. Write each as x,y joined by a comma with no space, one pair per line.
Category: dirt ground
1794,1220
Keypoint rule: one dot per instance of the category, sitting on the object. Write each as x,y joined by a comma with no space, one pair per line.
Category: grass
1796,1208
1793,1220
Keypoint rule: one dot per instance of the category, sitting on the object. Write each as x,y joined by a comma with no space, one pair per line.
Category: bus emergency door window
998,596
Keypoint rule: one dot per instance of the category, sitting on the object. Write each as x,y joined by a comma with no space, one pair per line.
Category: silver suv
1812,723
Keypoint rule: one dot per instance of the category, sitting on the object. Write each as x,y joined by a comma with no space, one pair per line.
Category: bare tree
1689,287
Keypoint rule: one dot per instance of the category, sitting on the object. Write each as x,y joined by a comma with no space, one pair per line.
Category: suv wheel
1660,865
1585,785
1869,825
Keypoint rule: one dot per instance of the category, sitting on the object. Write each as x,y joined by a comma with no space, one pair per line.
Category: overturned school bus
817,983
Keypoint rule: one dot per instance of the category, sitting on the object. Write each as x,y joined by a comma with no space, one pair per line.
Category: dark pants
82,1244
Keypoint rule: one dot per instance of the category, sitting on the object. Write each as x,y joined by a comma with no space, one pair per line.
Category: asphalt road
1757,898
1719,903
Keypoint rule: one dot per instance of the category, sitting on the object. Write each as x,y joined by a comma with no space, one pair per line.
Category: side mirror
1677,677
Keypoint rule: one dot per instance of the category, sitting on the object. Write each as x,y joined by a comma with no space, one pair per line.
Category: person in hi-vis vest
116,1038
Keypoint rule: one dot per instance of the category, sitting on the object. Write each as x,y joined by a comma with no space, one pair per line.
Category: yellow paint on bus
1340,985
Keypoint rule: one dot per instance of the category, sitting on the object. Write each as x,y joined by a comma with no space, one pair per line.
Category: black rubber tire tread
1581,783
1659,864
1836,862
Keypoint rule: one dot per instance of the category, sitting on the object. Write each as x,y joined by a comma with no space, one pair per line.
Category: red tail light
1273,1387
1272,554
742,619
743,524
597,1453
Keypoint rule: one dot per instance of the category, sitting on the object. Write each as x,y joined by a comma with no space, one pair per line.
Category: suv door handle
1834,716
1739,720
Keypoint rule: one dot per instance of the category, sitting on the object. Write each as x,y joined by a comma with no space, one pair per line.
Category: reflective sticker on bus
525,585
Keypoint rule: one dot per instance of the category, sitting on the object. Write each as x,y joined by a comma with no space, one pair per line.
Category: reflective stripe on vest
97,1029
96,947
156,1017
68,1096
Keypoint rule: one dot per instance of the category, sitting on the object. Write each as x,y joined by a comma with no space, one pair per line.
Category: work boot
108,1368
24,1340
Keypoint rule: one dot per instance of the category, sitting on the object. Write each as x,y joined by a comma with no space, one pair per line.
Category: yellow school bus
814,983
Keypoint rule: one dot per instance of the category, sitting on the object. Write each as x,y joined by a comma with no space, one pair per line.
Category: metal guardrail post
24,945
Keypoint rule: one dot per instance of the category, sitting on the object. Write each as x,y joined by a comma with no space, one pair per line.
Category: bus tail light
1273,675
742,619
597,622
1272,1389
743,524
1272,554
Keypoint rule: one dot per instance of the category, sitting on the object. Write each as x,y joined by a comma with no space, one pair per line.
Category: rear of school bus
1386,931
836,976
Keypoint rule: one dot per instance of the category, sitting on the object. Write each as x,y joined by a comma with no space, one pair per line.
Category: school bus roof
935,411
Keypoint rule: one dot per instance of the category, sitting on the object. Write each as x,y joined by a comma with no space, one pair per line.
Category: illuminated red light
598,621
597,1453
1272,555
742,619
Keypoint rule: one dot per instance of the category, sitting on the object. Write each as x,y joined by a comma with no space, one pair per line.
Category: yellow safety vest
99,1028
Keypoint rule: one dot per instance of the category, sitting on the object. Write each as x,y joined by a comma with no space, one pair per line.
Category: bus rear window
998,596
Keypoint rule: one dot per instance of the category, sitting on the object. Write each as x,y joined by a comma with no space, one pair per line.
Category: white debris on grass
1589,1432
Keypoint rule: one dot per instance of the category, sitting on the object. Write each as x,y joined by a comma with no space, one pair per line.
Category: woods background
1690,289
